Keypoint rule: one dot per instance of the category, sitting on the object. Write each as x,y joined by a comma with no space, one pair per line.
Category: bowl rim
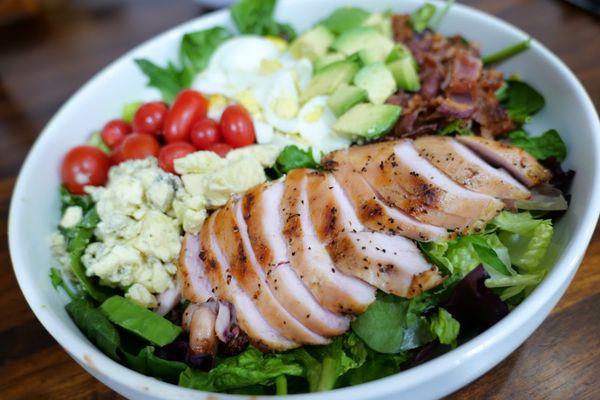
102,366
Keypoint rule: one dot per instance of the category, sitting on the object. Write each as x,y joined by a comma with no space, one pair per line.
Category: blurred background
49,48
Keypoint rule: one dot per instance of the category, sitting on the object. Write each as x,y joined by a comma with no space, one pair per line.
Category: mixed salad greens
487,274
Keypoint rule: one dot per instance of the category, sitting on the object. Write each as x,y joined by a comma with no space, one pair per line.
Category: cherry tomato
150,118
220,148
114,132
83,166
205,133
171,152
237,126
189,107
136,146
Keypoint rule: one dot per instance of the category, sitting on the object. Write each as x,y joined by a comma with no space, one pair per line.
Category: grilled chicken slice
195,285
333,289
226,287
261,211
518,162
406,180
232,237
467,169
374,214
388,262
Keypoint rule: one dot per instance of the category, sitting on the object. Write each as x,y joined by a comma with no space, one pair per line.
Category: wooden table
43,62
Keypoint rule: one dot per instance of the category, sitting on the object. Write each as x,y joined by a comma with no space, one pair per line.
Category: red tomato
189,107
237,126
220,148
205,133
171,152
136,146
150,118
82,166
114,132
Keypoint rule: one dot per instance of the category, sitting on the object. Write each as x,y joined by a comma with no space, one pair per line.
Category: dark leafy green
246,369
56,278
256,17
96,327
145,362
345,18
77,240
68,200
507,52
394,324
197,47
549,144
169,80
292,157
419,19
139,320
520,100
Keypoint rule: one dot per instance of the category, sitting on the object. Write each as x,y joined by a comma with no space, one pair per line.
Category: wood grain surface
43,61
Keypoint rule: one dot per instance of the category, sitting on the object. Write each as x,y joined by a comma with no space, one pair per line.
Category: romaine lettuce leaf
246,369
549,144
256,17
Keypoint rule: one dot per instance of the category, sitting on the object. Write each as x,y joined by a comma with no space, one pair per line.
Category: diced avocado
345,18
330,77
382,22
373,44
367,121
328,59
345,97
377,80
405,74
313,43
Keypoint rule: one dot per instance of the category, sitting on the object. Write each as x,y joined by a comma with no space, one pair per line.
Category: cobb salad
300,212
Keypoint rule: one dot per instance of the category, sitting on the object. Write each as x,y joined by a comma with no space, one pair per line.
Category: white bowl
34,209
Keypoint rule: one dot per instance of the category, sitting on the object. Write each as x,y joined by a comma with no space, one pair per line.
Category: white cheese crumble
71,217
139,235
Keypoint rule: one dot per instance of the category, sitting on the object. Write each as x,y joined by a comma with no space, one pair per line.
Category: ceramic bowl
34,209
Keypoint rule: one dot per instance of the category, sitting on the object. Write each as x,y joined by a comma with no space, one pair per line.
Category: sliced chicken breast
411,183
468,170
261,211
226,287
195,285
388,262
232,237
517,161
333,289
378,216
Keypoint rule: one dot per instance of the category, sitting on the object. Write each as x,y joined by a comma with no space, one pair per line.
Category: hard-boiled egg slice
280,102
315,122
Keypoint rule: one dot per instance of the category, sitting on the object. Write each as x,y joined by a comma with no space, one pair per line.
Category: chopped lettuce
520,100
444,327
249,368
293,157
394,324
548,144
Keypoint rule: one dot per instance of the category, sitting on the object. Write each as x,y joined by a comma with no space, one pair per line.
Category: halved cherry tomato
150,118
204,133
188,108
171,152
83,166
237,126
114,132
220,148
136,146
